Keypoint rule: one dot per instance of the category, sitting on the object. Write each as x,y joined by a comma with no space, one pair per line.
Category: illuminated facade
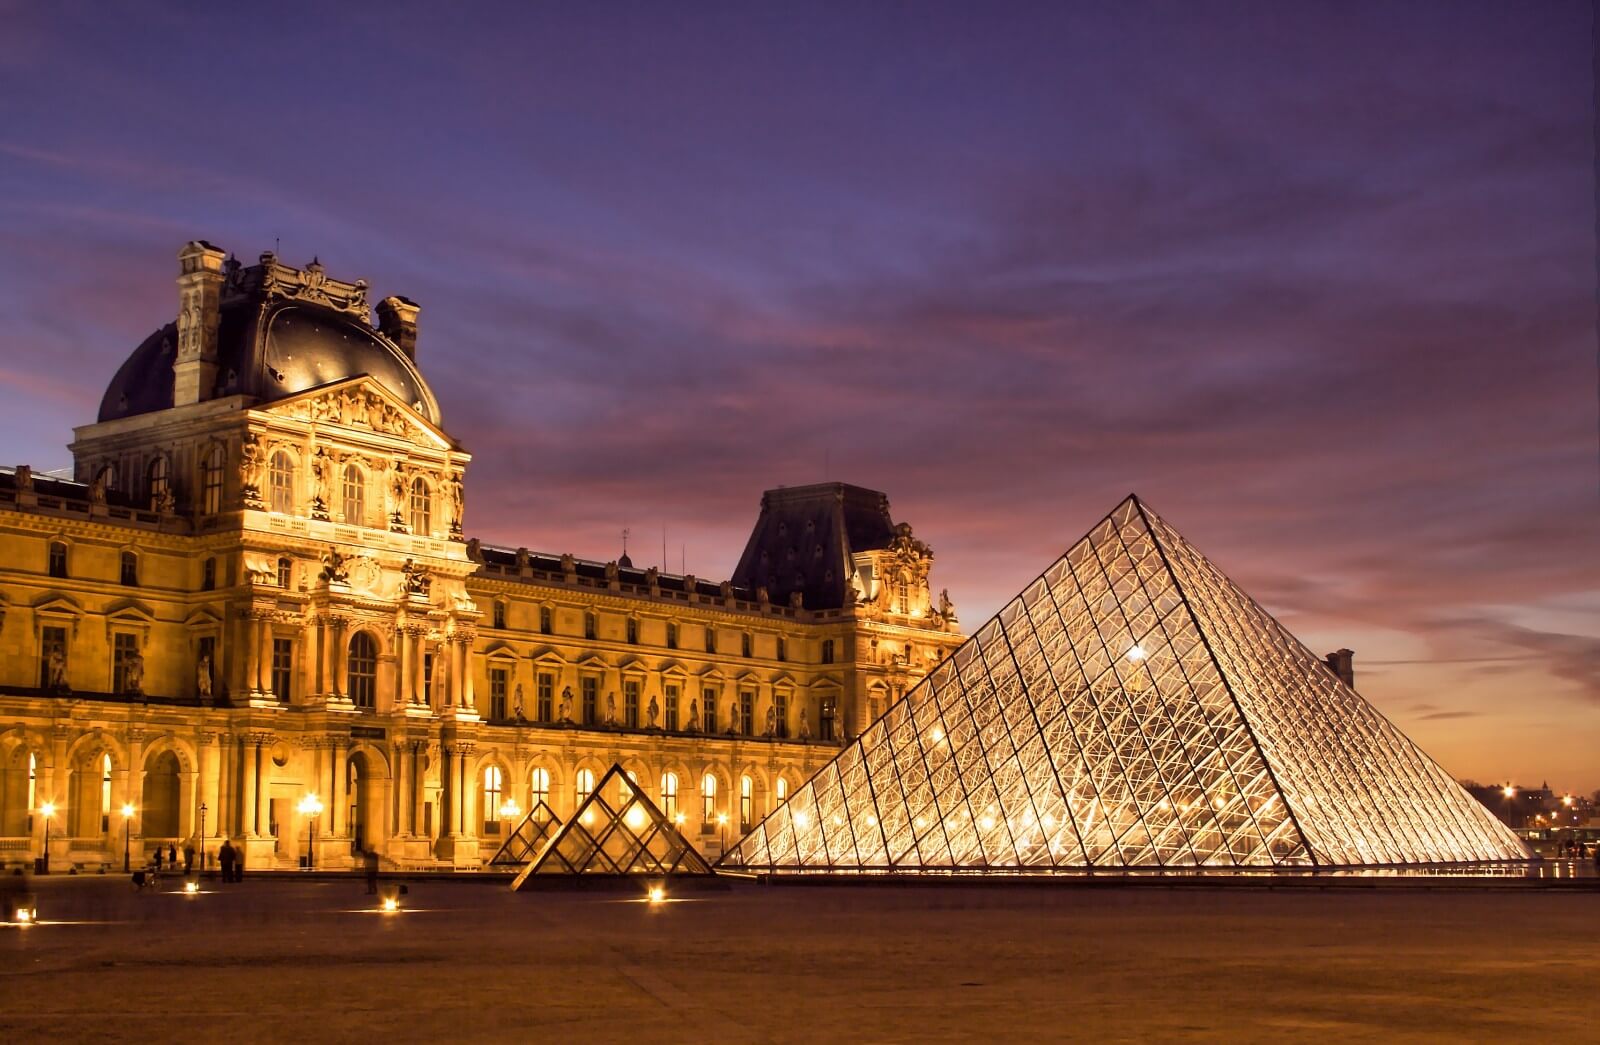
1131,709
257,587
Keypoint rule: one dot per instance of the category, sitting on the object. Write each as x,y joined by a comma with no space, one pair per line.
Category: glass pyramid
1131,709
622,835
523,844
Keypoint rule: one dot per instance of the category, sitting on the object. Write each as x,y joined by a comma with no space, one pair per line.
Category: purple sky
1317,281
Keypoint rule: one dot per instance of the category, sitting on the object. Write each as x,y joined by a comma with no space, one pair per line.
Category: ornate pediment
361,404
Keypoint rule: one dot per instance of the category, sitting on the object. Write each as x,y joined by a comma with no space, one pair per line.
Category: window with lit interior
421,507
280,484
361,674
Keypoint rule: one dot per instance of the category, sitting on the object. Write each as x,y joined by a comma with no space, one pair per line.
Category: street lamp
48,810
722,822
127,831
202,836
310,808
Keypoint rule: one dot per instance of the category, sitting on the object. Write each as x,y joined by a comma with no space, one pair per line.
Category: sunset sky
1315,280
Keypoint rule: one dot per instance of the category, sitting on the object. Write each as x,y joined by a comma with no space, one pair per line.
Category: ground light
658,892
191,888
25,909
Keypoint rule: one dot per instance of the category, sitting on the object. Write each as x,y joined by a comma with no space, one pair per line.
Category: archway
19,772
160,800
364,776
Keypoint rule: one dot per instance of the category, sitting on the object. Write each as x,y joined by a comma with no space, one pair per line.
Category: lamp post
722,822
127,832
48,810
202,836
310,808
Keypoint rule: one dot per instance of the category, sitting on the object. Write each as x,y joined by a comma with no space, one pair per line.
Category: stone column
419,687
264,658
256,781
337,814
252,652
469,658
340,654
447,788
247,811
419,788
403,675
324,656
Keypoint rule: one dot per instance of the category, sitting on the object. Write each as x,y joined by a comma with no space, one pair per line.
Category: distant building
258,587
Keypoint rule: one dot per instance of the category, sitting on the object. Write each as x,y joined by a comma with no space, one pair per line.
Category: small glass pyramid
523,844
1131,709
624,834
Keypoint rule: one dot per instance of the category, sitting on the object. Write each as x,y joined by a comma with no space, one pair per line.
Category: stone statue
250,466
612,572
397,491
135,672
97,489
523,559
772,722
163,502
762,595
733,716
805,725
319,481
947,609
566,704
611,709
694,717
797,599
24,476
454,501
654,711
516,705
202,676
56,670
335,567
415,580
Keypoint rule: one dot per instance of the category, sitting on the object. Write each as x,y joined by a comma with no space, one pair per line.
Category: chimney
397,321
1342,664
194,369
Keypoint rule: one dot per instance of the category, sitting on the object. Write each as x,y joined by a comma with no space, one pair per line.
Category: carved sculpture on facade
133,672
97,489
202,676
251,461
516,705
805,725
654,711
569,568
694,717
56,670
454,502
611,709
163,502
397,498
566,705
772,722
321,467
414,580
24,479
335,567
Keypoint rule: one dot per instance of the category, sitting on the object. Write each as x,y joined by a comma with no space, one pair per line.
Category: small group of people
232,861
171,859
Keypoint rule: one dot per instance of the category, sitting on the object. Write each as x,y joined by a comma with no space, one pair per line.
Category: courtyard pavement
276,959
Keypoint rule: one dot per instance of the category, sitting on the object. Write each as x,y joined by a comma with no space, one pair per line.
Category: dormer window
421,507
280,484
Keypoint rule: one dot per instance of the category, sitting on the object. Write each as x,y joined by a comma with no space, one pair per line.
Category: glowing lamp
191,888
1508,791
128,810
390,905
310,805
509,809
48,809
658,893
24,916
1137,653
679,819
801,818
634,817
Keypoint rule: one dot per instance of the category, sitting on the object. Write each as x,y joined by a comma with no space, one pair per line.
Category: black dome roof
270,348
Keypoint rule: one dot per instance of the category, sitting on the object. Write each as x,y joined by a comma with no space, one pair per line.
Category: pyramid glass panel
1131,708
616,831
524,843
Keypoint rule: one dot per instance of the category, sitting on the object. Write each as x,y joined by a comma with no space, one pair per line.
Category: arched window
361,683
747,799
105,792
669,795
354,495
280,484
782,790
583,784
157,482
421,507
211,481
107,477
539,788
493,783
58,559
708,799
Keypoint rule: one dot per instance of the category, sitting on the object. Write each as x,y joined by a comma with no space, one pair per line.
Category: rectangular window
633,630
52,647
780,713
672,636
708,701
590,687
427,679
826,726
124,652
590,626
630,703
282,668
208,575
499,680
711,639
545,621
545,695
58,559
783,649
672,708
499,614
130,570
747,712
827,651
744,644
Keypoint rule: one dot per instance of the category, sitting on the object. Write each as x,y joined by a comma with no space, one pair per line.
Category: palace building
257,588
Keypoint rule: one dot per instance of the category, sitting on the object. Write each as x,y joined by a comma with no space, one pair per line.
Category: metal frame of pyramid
1131,709
630,839
524,843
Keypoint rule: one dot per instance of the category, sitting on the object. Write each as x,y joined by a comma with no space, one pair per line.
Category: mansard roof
806,536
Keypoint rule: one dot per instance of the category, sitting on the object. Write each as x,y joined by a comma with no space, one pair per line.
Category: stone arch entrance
365,776
161,803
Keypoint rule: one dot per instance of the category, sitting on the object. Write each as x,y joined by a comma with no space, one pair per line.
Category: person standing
188,858
225,858
158,859
238,864
370,859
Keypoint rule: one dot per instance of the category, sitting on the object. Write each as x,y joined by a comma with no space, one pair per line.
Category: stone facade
257,588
